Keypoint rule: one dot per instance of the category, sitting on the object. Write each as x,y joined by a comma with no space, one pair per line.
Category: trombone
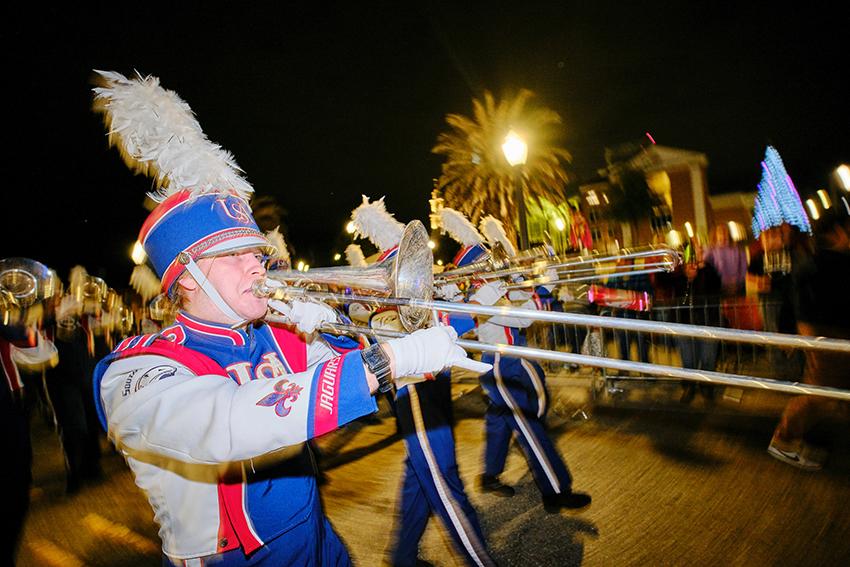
710,377
576,268
407,283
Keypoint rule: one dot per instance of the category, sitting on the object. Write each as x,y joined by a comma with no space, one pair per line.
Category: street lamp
843,173
516,152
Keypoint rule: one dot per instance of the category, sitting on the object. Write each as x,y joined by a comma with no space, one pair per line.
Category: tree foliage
476,178
631,197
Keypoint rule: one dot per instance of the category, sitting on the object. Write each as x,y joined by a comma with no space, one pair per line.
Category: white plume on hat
276,239
459,227
145,282
493,229
158,135
355,257
374,222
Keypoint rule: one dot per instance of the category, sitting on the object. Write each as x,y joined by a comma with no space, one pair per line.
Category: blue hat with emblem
203,197
187,227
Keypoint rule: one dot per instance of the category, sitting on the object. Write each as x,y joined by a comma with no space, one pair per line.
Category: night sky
320,103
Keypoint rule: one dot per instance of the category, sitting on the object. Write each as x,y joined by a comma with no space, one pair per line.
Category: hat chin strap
211,291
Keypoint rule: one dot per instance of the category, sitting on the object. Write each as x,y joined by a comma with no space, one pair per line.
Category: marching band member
22,347
425,419
203,410
518,396
69,388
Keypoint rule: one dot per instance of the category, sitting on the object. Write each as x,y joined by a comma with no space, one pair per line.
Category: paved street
672,485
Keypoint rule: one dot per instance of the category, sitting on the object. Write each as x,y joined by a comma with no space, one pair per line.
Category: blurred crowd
784,281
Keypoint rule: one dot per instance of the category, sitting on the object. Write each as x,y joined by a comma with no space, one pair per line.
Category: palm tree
476,178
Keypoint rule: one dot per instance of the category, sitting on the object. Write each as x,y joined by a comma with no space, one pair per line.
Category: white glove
565,294
449,292
36,358
546,280
431,350
307,316
490,293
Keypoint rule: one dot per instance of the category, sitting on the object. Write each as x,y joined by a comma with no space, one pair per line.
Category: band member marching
431,482
516,388
202,410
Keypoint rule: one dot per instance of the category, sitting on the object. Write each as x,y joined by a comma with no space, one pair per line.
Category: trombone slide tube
709,377
657,327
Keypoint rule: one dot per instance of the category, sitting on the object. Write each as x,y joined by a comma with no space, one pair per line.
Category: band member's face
232,275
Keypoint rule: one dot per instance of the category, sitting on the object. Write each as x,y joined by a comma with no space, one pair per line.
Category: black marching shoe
569,500
492,485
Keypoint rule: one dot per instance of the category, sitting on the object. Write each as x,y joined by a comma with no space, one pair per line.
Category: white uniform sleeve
155,404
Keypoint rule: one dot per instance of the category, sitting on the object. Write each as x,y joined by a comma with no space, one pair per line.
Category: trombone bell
408,275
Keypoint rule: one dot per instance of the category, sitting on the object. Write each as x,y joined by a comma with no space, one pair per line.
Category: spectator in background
639,283
822,305
783,251
697,285
728,260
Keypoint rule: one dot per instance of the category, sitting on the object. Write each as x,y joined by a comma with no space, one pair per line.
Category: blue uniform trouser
311,543
431,481
518,405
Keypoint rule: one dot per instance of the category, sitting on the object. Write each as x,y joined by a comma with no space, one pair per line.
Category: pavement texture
672,484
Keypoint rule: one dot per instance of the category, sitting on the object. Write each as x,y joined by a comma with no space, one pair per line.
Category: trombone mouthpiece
265,287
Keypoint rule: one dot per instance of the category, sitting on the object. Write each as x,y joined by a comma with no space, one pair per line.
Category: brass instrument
574,269
409,275
407,284
24,284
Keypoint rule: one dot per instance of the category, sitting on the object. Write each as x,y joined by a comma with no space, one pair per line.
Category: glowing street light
843,173
824,199
515,149
516,152
349,228
300,266
432,244
559,224
813,209
337,257
689,229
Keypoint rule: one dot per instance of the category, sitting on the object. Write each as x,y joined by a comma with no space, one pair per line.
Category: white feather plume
276,238
355,257
372,221
145,282
158,135
459,227
494,231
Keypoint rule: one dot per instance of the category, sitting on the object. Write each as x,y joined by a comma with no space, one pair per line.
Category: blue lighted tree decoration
777,200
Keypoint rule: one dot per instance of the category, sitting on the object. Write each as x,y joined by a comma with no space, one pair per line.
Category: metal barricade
746,314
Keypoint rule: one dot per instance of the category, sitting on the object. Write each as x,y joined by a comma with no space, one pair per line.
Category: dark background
322,102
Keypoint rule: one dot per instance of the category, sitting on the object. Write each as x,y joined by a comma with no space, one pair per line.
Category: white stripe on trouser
466,534
523,426
538,386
